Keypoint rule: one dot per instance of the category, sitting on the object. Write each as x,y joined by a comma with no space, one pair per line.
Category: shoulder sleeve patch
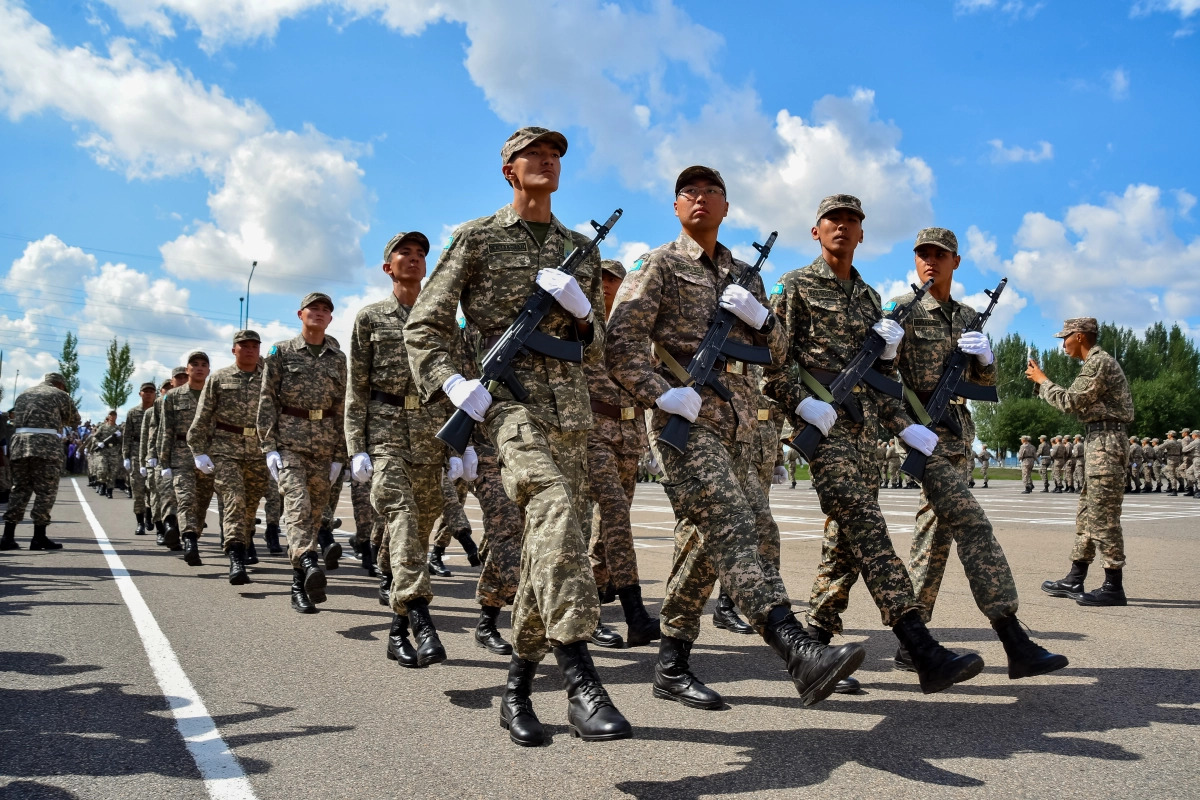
274,349
890,305
637,265
449,242
777,288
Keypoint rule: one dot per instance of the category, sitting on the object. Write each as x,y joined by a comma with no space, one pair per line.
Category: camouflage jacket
489,266
41,406
1189,450
1100,392
294,378
178,411
406,426
668,298
881,453
108,440
1136,456
1059,452
1077,451
148,447
1172,449
930,337
894,453
825,330
1026,453
229,397
984,456
626,434
1043,451
131,435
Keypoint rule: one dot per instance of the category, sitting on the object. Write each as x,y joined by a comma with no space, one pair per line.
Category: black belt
823,376
614,412
221,426
1105,425
409,402
313,414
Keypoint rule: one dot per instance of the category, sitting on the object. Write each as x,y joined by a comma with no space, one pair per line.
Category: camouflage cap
941,237
699,171
1145,439
1043,436
167,384
613,267
396,240
1185,430
316,297
1154,440
1025,436
524,137
1078,325
836,201
1171,433
175,373
246,336
197,354
148,385
1133,438
54,377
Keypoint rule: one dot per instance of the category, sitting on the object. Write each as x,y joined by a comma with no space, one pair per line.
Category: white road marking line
219,767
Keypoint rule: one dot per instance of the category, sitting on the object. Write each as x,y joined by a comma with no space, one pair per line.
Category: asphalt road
310,707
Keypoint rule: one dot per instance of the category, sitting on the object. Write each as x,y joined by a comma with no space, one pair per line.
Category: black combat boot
300,599
641,627
1191,492
847,685
40,542
1110,593
1171,492
331,551
591,714
673,678
985,483
367,555
237,566
1028,490
385,588
271,536
1025,657
9,541
172,539
1158,487
429,646
191,550
1070,586
251,553
108,492
160,533
355,548
516,707
815,668
468,546
1045,488
399,648
605,636
726,617
140,530
937,668
902,661
487,635
314,580
436,567
608,593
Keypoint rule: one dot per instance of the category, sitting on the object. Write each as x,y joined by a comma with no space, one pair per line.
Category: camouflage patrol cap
1043,436
399,238
246,336
1171,433
1025,436
524,137
1154,440
148,385
940,237
175,373
836,201
1078,325
316,297
1133,438
1185,431
1078,436
167,384
197,354
1145,439
613,267
54,377
699,171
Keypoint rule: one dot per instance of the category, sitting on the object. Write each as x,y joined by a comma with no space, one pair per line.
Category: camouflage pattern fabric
107,452
1058,461
613,450
984,458
138,486
241,484
1172,450
503,528
894,461
273,505
1043,460
368,526
335,496
1027,455
453,519
304,483
41,406
1077,451
36,477
193,493
409,496
131,438
294,377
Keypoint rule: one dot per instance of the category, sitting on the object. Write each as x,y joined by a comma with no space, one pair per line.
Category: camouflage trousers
1147,473
368,526
167,505
725,531
544,471
274,501
1079,473
765,472
1134,476
193,493
1027,474
983,470
1044,471
950,514
1098,521
453,520
304,483
1069,472
409,497
137,485
37,477
503,529
894,476
1056,471
335,497
240,485
612,478
1173,474
109,465
856,538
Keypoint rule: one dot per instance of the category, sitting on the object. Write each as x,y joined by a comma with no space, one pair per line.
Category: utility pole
15,384
252,266
241,302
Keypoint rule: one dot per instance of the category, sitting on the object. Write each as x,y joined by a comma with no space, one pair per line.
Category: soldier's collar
507,217
722,258
326,345
822,268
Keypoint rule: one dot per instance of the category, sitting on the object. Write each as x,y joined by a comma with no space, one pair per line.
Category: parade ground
125,673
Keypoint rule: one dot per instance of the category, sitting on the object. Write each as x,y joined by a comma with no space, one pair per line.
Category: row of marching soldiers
561,462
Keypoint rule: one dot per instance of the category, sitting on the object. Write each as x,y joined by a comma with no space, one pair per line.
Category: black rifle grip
807,440
914,465
456,433
675,432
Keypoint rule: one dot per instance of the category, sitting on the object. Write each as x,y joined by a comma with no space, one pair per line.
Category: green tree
68,366
116,388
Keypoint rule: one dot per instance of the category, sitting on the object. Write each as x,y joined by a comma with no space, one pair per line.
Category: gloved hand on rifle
975,343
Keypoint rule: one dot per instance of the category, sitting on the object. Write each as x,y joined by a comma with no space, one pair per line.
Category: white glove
166,473
455,470
335,469
470,396
565,290
143,471
204,464
892,332
683,401
99,447
151,462
361,468
274,464
920,438
975,343
780,475
470,464
819,413
744,306
126,463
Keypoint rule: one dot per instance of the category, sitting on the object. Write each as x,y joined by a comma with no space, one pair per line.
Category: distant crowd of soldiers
1171,466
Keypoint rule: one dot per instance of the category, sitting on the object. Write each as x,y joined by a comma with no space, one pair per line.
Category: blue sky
153,148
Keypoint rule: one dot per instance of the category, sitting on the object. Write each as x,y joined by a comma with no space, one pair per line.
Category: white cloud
1011,302
1184,8
1011,155
1120,261
1118,83
1013,8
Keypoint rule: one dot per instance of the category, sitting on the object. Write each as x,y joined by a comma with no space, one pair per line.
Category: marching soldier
452,524
1078,451
1189,454
1147,463
1099,398
39,415
1069,468
107,451
1136,457
1172,456
1043,455
1058,461
881,460
131,442
893,464
984,458
193,482
299,410
1027,456
1194,472
170,538
793,460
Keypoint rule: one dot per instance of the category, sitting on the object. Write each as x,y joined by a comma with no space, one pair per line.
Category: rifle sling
676,368
815,387
915,402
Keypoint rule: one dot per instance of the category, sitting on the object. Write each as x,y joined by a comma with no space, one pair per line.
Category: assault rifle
950,385
714,348
861,369
523,337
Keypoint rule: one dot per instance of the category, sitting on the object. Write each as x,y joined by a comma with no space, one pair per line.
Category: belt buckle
857,389
627,413
249,431
316,415
735,367
764,414
411,402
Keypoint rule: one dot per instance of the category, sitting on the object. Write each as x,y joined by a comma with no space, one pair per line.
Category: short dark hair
1089,338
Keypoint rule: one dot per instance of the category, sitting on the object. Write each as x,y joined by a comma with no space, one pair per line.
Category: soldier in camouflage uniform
1188,450
1151,470
1069,464
492,265
1027,457
273,511
131,442
1058,461
452,524
169,505
1194,471
107,452
300,431
1078,451
1134,470
984,457
368,526
1100,399
893,456
881,461
1043,457
1172,457
794,460
725,529
193,483
224,439
503,527
829,311
39,415
331,549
